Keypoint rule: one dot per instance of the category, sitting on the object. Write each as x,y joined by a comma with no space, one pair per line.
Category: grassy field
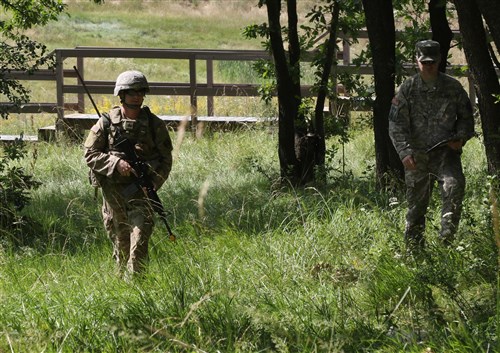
256,267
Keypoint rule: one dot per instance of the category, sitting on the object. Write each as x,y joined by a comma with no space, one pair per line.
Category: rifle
143,182
439,144
140,169
86,90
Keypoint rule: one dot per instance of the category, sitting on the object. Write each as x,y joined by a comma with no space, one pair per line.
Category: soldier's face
134,98
429,67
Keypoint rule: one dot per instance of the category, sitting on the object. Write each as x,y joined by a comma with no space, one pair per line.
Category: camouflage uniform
127,213
422,120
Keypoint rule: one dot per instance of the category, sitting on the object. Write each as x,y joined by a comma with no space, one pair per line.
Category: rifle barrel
87,90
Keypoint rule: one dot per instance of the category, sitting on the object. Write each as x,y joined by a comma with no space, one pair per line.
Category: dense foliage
15,187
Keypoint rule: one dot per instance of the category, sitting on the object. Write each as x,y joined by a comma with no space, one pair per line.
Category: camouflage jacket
147,133
423,116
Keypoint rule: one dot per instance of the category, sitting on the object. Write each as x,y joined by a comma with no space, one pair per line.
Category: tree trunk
319,122
286,150
441,31
382,35
484,77
305,147
491,13
290,124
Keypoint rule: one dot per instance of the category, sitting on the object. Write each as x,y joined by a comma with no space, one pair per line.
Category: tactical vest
119,132
136,132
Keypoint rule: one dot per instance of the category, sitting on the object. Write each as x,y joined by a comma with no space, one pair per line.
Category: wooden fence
64,73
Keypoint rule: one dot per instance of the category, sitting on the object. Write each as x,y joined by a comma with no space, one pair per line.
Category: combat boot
414,239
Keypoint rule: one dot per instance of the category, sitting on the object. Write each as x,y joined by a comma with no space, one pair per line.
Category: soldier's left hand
124,168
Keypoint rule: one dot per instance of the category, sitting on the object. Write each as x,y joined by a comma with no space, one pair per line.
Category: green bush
15,186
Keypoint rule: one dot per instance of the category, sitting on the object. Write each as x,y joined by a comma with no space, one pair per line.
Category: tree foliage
20,53
15,186
301,124
17,51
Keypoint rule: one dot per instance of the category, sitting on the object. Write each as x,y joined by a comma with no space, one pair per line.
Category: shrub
15,187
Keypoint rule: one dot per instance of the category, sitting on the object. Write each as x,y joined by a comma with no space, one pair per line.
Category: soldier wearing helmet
127,212
130,80
430,121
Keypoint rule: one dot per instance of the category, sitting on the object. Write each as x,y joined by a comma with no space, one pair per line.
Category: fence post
210,84
81,96
59,90
472,91
192,93
346,52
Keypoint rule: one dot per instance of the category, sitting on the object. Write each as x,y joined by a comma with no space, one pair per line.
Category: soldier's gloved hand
409,163
124,168
455,144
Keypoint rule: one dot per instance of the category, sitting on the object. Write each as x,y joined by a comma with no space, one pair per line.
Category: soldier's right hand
124,168
409,163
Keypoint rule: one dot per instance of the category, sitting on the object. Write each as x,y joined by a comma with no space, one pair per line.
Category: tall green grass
256,267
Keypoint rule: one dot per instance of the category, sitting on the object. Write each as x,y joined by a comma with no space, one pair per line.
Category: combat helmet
131,80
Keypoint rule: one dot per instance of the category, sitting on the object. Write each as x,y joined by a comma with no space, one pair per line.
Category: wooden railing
194,89
66,82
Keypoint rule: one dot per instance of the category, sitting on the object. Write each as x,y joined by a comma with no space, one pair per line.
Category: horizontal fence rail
193,89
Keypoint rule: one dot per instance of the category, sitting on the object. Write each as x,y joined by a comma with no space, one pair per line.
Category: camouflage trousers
128,220
444,166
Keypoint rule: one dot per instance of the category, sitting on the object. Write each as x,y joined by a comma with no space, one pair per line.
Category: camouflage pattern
428,50
127,214
444,166
129,221
422,119
131,80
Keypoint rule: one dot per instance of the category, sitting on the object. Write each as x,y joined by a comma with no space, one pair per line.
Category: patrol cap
428,51
131,80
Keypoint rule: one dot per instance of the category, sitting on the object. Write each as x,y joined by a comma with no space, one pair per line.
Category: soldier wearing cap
430,120
126,211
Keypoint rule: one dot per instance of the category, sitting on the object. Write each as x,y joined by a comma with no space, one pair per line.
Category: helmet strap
132,106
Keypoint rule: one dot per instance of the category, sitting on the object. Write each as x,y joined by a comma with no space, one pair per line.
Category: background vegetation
256,267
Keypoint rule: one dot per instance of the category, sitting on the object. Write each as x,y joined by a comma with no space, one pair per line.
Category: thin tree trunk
490,10
304,150
319,123
286,150
291,124
382,36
